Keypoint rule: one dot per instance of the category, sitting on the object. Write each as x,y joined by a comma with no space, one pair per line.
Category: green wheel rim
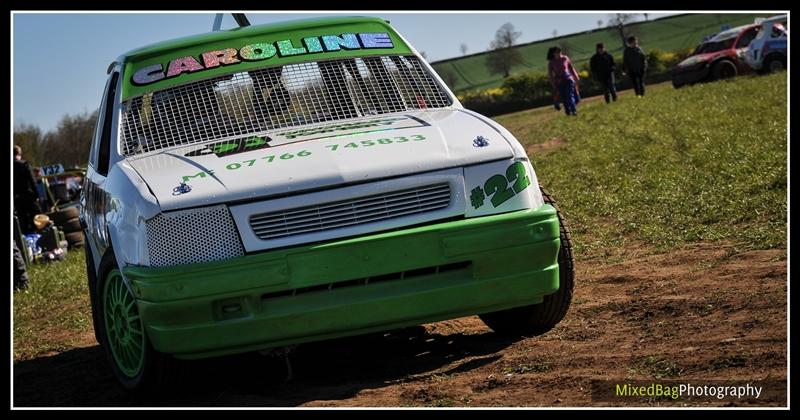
123,325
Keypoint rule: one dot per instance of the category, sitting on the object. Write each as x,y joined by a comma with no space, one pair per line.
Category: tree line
503,57
68,143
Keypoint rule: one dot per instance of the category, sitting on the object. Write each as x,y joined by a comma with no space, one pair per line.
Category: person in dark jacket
602,66
556,97
26,197
634,64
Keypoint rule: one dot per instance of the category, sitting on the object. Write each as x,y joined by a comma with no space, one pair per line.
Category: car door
778,38
94,199
742,45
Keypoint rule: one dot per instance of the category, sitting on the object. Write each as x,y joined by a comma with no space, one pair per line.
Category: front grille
192,236
351,212
401,275
257,101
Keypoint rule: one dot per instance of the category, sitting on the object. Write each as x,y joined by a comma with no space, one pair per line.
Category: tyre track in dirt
704,311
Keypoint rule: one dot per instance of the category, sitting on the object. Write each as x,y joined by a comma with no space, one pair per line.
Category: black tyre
74,238
540,318
677,85
72,225
724,69
134,362
59,217
91,276
774,63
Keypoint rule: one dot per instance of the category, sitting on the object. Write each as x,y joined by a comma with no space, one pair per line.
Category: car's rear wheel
75,239
724,69
774,64
135,364
60,217
91,275
537,319
72,225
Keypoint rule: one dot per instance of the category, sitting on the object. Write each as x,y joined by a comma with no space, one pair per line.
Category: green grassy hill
697,164
675,32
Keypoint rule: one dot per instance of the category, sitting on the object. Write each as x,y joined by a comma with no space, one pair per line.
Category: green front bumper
352,286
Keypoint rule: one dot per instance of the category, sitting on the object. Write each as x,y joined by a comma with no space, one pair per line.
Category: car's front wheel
540,318
724,69
135,364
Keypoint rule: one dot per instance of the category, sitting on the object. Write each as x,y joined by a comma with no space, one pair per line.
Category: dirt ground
697,312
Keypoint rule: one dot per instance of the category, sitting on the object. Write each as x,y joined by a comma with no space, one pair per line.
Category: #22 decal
501,188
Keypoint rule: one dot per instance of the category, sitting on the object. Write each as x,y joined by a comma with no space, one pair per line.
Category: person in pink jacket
564,79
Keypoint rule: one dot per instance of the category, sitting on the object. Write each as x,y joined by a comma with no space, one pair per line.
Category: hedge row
532,89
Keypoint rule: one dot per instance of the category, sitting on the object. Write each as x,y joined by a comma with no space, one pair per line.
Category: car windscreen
258,101
777,31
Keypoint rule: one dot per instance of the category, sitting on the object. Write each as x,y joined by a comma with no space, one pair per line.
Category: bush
532,88
528,86
484,101
659,61
682,54
483,97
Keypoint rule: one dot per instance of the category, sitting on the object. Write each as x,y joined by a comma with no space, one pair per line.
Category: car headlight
192,236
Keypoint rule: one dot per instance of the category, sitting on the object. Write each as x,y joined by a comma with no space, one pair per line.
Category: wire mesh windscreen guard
261,100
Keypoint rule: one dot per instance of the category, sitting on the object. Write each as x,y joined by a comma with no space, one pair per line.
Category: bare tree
620,20
425,56
463,49
505,37
600,23
69,143
624,18
503,57
555,33
645,17
29,138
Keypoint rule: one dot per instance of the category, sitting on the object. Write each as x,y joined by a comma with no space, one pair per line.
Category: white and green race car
278,184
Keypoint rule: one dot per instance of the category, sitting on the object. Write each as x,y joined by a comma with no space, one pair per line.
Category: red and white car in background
720,57
768,51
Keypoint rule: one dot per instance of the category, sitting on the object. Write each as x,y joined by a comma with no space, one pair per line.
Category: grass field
685,31
54,314
704,165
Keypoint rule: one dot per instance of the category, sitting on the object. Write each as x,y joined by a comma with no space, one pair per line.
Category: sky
59,60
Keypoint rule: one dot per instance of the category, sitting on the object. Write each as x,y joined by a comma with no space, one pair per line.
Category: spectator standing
602,66
21,281
634,64
40,190
564,78
556,97
26,197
